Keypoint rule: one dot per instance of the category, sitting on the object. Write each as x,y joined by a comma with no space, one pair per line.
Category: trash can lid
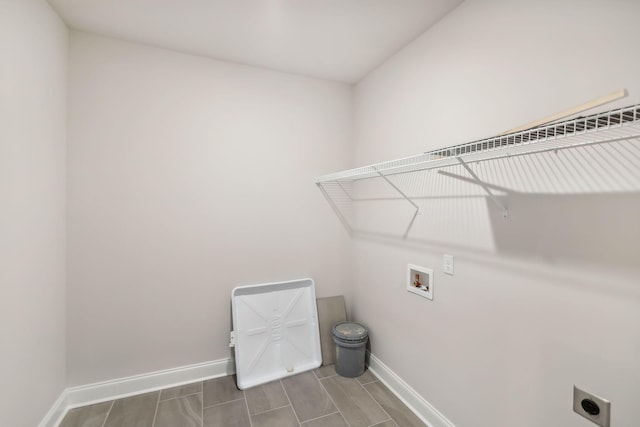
349,331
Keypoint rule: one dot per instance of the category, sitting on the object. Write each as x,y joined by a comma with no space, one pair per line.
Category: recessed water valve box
420,281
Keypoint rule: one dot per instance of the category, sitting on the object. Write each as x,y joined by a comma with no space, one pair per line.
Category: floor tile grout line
394,422
295,414
221,403
246,405
323,416
389,418
385,421
300,424
181,386
178,397
328,376
155,414
269,410
334,404
108,412
375,400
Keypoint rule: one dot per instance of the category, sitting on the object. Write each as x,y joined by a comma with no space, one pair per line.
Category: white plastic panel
276,331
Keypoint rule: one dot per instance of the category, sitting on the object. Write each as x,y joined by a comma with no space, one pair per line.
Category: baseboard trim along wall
423,409
56,412
115,389
74,397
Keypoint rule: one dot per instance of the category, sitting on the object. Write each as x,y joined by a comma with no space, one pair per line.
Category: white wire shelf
612,141
599,128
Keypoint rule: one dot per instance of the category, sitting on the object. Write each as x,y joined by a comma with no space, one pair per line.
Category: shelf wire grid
604,157
611,126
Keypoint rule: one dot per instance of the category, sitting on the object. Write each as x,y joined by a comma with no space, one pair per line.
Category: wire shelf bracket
601,129
335,207
407,198
478,181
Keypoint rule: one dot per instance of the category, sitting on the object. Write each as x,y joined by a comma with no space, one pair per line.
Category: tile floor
311,399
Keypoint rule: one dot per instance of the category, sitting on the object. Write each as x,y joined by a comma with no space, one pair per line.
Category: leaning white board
275,332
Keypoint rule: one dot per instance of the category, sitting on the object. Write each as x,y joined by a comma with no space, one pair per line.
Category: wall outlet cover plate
447,266
603,418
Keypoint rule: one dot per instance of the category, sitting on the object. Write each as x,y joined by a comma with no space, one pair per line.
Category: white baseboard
56,413
423,409
115,389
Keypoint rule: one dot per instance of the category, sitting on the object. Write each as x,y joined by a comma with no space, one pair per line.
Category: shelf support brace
407,198
337,211
478,181
344,190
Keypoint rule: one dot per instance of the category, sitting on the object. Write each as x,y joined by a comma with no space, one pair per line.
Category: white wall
187,177
545,299
33,60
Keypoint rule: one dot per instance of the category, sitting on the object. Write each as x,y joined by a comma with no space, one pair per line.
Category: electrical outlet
448,264
594,408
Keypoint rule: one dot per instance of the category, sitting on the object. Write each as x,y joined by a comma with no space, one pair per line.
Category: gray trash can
351,341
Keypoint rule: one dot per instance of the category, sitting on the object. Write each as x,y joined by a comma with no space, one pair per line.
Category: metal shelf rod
478,181
341,190
336,209
438,164
408,199
616,125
